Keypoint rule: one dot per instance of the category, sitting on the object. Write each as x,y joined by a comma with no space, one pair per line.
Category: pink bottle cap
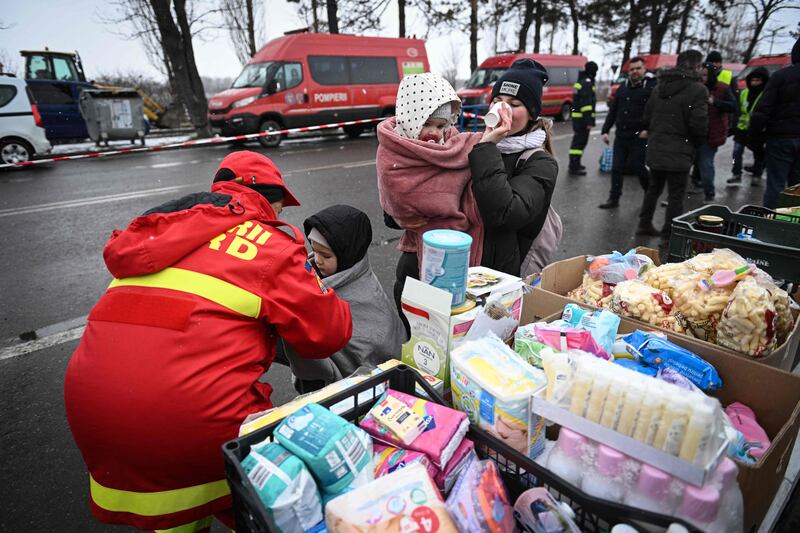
571,443
700,504
609,461
654,483
726,473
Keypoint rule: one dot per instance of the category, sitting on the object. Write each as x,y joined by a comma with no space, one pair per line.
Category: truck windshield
485,77
256,75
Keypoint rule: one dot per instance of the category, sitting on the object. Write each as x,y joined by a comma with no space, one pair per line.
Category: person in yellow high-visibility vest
748,99
725,76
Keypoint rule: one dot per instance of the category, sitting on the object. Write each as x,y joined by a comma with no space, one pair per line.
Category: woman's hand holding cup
499,131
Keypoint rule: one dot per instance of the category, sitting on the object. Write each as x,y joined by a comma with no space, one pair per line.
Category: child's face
325,259
519,114
433,130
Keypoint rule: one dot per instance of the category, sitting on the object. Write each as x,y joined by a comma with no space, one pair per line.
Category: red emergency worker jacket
170,361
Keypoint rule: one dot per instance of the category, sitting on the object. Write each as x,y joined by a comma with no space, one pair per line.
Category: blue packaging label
487,407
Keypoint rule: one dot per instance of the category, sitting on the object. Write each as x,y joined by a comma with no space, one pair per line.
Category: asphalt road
55,219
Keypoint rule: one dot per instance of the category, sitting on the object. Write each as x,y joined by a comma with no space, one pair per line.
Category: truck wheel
15,151
273,140
563,115
353,131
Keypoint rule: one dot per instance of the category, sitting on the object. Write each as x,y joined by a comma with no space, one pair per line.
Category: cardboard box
774,396
558,278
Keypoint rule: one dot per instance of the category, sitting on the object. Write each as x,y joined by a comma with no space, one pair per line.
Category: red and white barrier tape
189,144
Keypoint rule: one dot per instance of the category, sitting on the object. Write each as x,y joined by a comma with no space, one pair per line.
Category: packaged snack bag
493,386
615,267
636,299
444,431
603,325
404,501
528,346
338,453
479,500
661,276
562,338
701,308
591,291
717,259
784,321
284,486
748,324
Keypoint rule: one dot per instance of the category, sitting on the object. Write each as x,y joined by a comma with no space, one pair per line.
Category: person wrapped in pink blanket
423,170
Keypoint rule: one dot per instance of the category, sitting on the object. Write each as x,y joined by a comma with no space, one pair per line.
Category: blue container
445,262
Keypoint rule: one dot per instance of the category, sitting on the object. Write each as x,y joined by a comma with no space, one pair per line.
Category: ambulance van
310,79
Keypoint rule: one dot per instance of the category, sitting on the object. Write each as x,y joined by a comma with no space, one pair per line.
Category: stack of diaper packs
440,445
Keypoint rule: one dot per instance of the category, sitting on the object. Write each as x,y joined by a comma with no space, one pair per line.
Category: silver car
21,131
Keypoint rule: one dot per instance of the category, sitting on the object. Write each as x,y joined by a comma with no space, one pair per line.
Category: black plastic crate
519,472
763,212
776,250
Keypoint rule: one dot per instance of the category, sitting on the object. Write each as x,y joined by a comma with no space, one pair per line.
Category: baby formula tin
445,261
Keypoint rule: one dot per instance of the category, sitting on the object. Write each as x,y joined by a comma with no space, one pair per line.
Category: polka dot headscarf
418,97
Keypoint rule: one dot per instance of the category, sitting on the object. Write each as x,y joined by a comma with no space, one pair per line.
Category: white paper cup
492,118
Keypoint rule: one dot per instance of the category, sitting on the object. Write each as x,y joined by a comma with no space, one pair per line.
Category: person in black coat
584,100
513,197
626,111
777,116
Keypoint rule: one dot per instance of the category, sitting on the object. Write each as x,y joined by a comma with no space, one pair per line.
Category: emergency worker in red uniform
170,361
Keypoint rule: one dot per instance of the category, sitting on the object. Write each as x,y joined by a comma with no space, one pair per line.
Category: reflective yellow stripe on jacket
218,291
586,108
725,76
156,503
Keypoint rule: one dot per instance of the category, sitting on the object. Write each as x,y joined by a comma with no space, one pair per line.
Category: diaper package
387,459
284,486
338,453
444,432
479,500
658,352
493,386
404,501
445,479
603,325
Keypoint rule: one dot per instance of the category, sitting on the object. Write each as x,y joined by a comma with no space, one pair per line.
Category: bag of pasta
748,322
660,277
636,299
784,321
717,259
700,308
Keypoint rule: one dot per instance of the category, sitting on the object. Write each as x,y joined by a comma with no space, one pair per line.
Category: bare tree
527,20
450,61
244,22
9,63
574,13
352,16
661,15
763,10
333,16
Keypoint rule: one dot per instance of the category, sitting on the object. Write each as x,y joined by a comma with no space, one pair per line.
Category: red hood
154,242
229,96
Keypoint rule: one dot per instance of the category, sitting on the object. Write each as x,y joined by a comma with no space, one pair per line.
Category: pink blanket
426,186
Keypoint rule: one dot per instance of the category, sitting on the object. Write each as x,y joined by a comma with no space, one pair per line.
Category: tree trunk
473,35
553,34
685,16
176,38
333,17
251,28
657,34
401,10
630,33
314,17
527,19
537,27
573,13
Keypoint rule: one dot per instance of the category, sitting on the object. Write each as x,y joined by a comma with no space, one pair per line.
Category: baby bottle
605,479
731,506
700,506
652,491
566,458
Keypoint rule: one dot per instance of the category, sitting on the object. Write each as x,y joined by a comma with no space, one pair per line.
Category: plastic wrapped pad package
701,309
404,501
682,423
603,325
464,454
444,432
636,299
387,459
493,386
748,324
338,453
479,500
284,486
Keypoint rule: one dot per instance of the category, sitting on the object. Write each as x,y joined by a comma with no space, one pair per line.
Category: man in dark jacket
583,102
675,123
626,111
747,101
777,116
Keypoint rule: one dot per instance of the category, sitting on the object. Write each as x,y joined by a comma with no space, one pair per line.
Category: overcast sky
77,25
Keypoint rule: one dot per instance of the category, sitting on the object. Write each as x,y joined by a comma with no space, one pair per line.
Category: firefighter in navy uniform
583,115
